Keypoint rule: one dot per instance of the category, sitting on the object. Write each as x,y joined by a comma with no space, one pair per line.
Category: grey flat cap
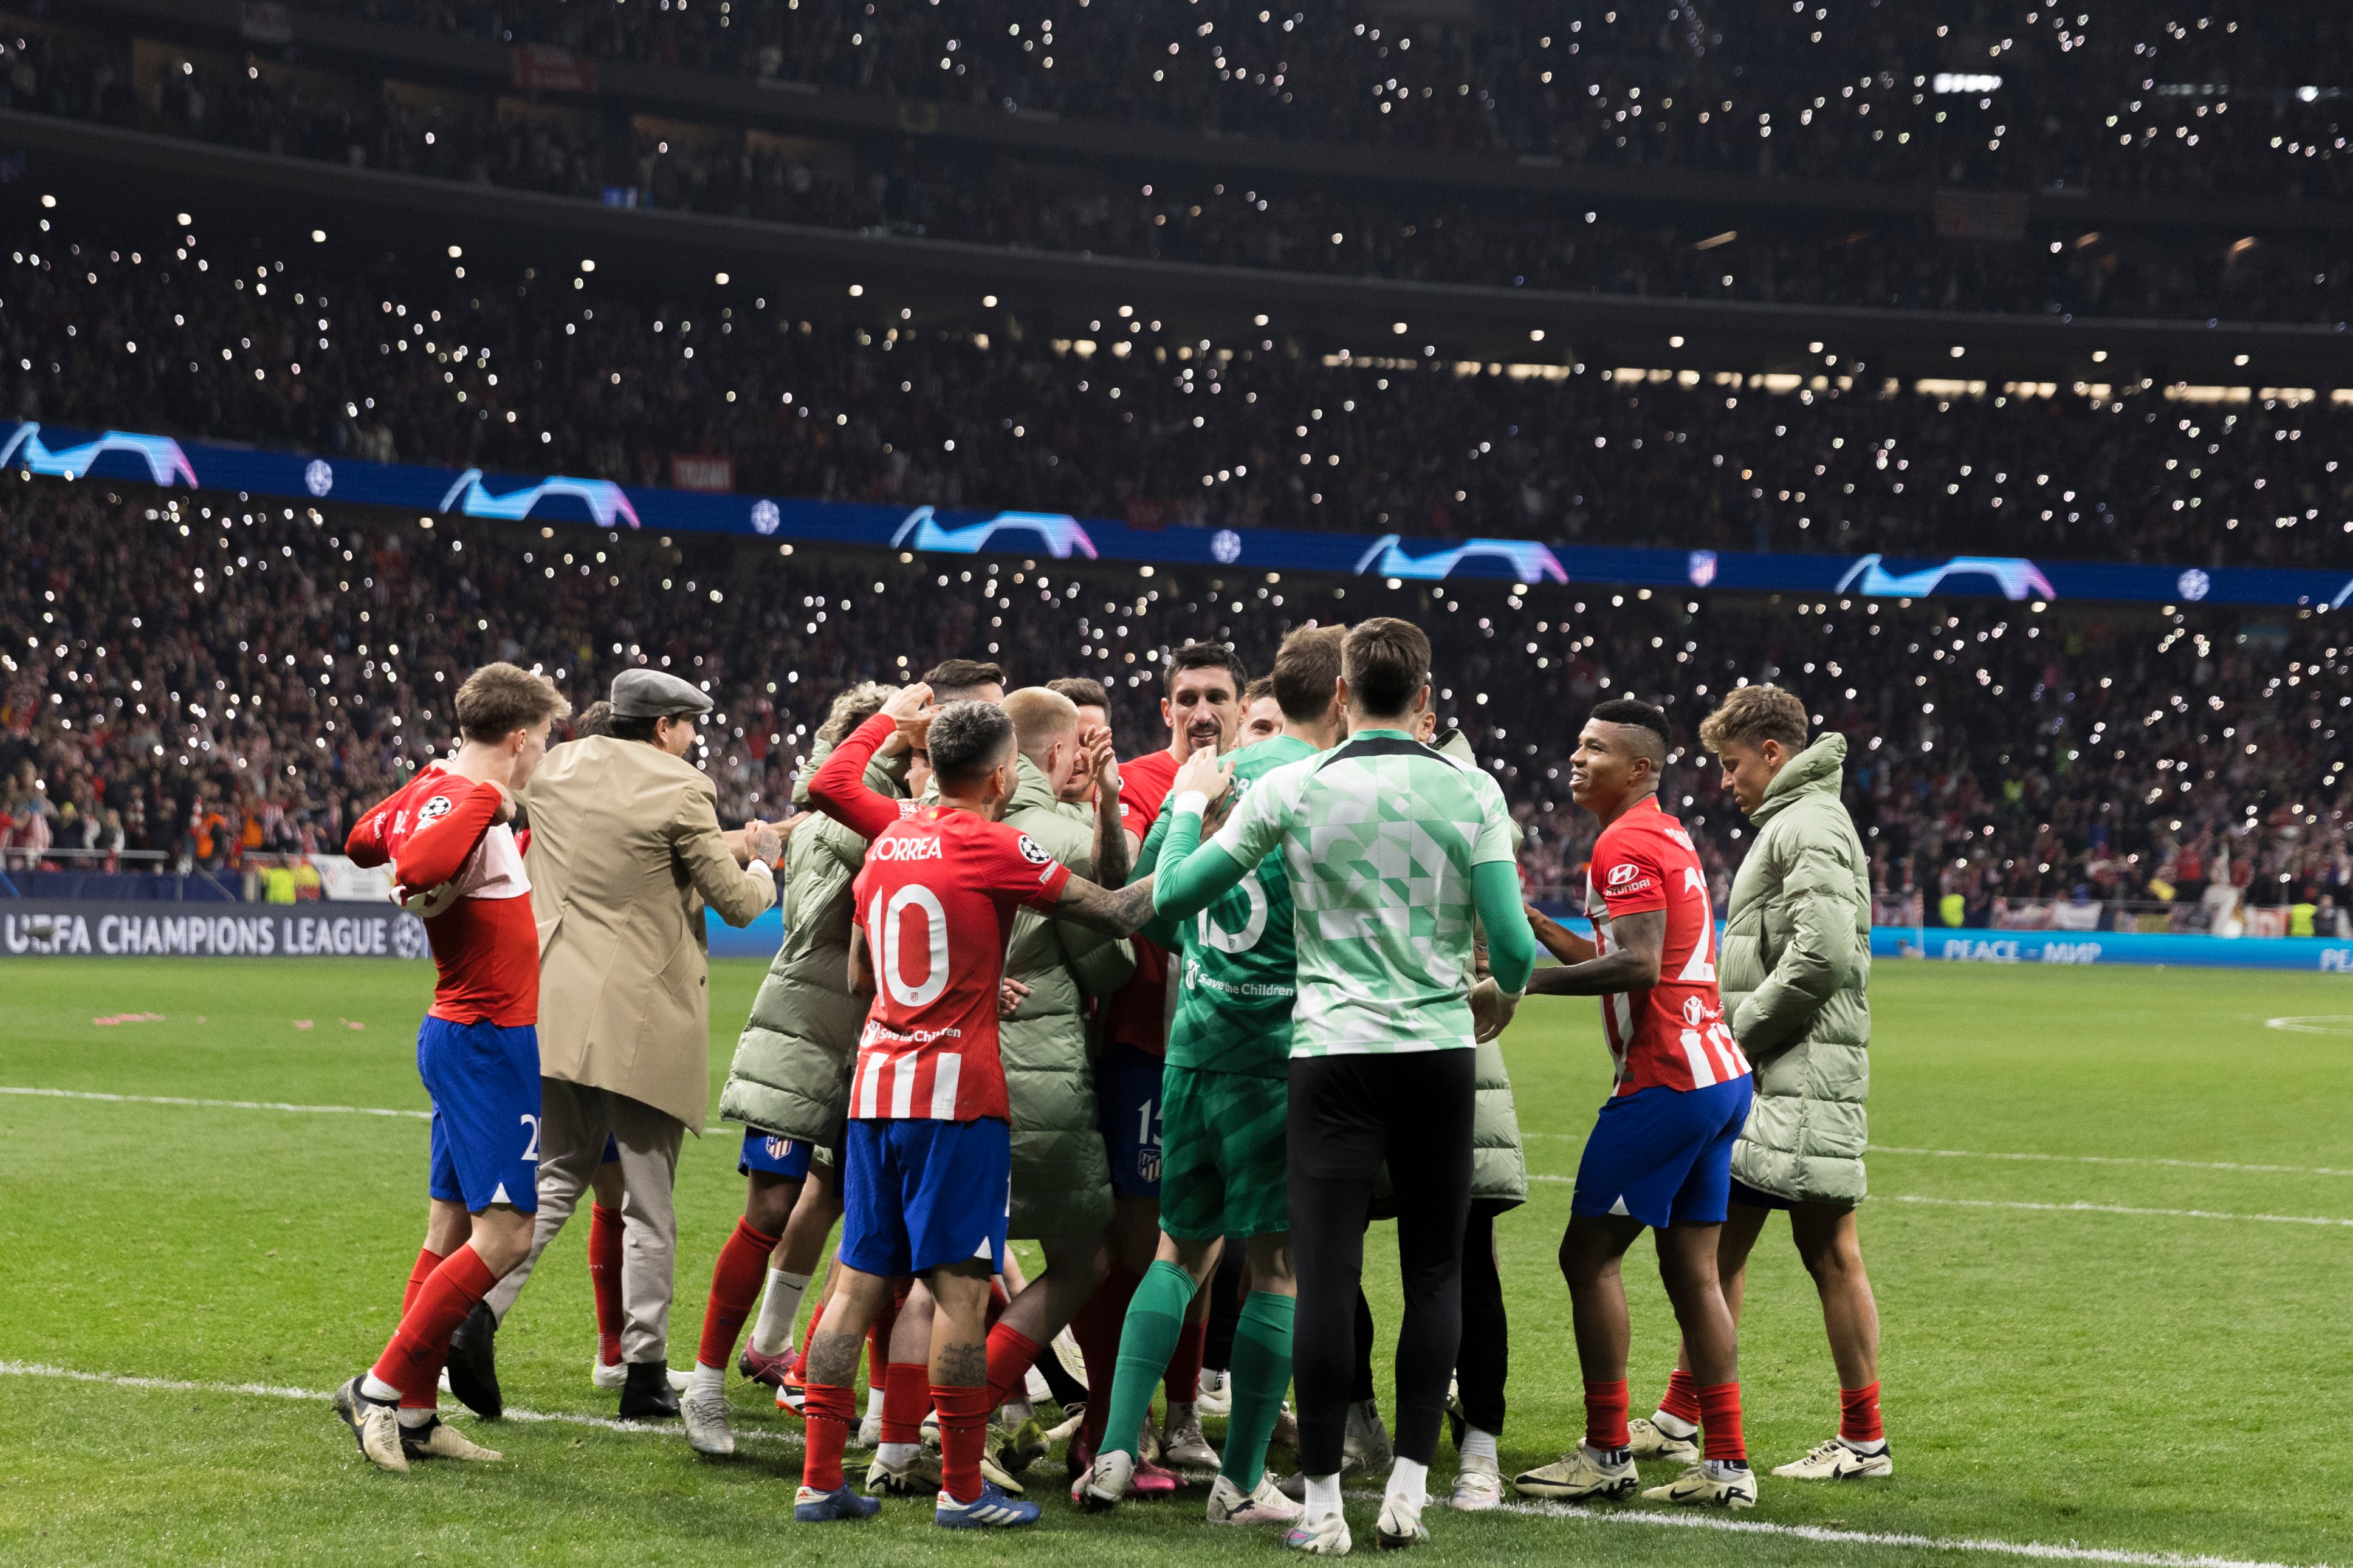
651,694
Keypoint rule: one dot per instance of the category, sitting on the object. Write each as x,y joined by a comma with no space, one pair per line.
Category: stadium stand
508,369
218,682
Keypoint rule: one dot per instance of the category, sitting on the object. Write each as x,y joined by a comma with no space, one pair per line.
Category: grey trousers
574,1122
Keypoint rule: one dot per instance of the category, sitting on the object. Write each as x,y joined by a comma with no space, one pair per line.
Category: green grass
2149,1383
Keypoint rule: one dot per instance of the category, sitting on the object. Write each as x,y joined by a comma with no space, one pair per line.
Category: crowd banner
1974,944
77,928
35,449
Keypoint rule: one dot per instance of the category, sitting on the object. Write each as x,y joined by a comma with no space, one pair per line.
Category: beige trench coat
625,852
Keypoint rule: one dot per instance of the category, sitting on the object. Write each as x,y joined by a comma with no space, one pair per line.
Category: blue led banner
159,459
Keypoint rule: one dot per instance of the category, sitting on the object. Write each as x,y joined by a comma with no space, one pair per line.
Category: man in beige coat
625,852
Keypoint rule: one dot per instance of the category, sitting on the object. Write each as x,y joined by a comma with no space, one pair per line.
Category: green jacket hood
1820,769
1030,790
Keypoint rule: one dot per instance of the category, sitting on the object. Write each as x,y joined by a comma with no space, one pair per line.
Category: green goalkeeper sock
1259,1374
1155,1317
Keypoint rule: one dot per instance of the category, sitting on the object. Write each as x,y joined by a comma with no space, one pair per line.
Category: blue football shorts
918,1194
484,1081
1663,1155
1128,1109
786,1157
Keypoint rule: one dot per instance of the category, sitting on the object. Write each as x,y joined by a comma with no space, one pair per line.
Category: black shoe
648,1395
473,1364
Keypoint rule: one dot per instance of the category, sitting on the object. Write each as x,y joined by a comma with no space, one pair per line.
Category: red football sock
1720,1421
830,1410
1682,1397
605,1279
1010,1354
1859,1415
412,1361
1605,1415
1097,1327
800,1356
425,1392
1185,1364
877,1344
905,1397
964,1432
735,1282
428,1260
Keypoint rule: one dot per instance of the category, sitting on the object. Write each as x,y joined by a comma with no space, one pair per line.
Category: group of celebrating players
1226,1001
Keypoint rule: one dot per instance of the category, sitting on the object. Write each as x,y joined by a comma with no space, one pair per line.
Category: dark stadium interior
2100,323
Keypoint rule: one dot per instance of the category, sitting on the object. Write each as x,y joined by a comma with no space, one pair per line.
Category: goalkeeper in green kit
1225,1104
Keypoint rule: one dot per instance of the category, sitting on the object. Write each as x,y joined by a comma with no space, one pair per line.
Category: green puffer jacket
1796,959
791,1073
1062,1177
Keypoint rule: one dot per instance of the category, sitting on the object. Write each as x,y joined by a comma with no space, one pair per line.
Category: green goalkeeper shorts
1222,1169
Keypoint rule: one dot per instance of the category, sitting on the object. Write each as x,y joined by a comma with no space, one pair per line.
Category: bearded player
1660,1154
454,860
1225,1098
1201,705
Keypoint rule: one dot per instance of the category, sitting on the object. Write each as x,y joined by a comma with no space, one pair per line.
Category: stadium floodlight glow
318,236
1060,532
186,220
719,279
856,291
456,251
586,266
1536,335
2017,577
988,301
603,497
1964,82
48,201
1529,562
25,450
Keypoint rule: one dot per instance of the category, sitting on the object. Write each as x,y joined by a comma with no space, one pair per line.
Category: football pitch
2111,1233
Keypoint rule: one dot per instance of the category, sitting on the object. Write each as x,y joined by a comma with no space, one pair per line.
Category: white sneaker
869,1430
1646,1439
1709,1484
1579,1475
1072,1419
1182,1446
1835,1461
1324,1537
1217,1396
1267,1505
1478,1485
1401,1525
437,1439
707,1431
1104,1486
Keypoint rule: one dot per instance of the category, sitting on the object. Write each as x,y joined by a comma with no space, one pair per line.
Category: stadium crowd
972,192
2129,99
213,680
529,375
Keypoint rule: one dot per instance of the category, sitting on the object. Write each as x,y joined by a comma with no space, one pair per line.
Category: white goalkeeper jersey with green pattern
1379,837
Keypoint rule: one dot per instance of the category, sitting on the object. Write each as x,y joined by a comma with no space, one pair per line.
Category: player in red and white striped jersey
929,1157
456,864
1661,1153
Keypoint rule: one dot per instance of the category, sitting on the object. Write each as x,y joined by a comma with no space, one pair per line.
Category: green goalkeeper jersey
1236,967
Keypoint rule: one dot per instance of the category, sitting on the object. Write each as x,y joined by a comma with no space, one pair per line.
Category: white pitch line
215,1104
2069,1208
2121,1209
2117,1160
1807,1532
273,1390
1818,1533
2069,1159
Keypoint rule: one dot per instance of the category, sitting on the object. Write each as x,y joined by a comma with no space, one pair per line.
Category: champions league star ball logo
766,518
409,939
2194,584
1225,546
1034,852
318,477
